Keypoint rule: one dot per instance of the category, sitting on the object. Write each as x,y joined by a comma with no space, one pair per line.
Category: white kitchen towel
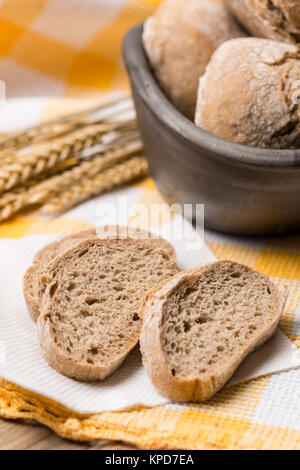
22,363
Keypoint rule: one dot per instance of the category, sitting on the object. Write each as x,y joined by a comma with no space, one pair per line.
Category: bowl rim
146,85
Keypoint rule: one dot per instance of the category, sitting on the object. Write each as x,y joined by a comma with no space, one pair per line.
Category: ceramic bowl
245,190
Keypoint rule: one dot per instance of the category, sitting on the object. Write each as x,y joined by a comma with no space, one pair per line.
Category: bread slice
40,261
90,297
200,325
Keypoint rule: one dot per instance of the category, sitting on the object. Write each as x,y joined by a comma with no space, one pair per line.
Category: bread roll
180,39
249,94
271,19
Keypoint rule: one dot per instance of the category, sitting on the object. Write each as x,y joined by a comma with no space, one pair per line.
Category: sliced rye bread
40,261
200,325
90,297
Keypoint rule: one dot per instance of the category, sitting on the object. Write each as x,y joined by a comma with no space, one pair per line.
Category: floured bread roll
249,94
180,39
272,19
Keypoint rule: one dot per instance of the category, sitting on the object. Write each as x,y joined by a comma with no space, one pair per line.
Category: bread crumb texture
40,261
90,297
208,319
200,325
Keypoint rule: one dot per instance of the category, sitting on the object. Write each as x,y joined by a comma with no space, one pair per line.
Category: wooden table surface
18,435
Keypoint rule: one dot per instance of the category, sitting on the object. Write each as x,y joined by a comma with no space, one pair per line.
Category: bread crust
193,389
30,300
179,40
276,19
247,94
56,358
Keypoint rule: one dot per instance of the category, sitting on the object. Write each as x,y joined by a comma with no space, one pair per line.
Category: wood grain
20,435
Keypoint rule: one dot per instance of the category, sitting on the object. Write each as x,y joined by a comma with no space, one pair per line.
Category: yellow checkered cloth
262,413
72,48
65,47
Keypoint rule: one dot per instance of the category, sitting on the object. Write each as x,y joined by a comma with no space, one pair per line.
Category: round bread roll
180,39
249,94
271,19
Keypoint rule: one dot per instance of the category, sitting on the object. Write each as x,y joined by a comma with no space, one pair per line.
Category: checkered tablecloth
70,49
65,47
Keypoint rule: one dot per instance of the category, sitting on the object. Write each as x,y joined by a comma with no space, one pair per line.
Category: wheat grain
86,157
49,129
87,169
38,193
29,137
120,174
11,208
29,166
11,196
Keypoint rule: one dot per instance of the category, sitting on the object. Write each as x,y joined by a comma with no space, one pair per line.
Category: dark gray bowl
245,190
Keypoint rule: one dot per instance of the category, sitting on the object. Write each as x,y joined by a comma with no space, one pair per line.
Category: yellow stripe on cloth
99,65
16,227
78,67
9,35
91,70
55,60
157,428
279,264
21,12
235,253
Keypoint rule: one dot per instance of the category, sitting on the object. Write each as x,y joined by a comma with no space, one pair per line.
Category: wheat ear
118,175
46,130
29,166
13,202
10,197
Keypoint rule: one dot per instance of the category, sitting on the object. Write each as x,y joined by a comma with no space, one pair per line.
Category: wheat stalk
90,169
118,175
86,156
14,172
13,202
55,127
10,197
15,142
